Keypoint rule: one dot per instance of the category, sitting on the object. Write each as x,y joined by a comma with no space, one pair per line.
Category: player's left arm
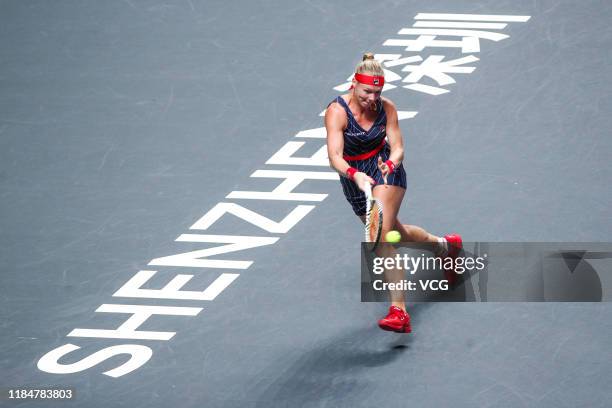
394,134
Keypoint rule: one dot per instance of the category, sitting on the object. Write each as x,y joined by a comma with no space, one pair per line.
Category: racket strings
374,222
373,227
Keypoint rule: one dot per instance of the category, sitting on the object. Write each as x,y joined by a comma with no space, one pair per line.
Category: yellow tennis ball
393,236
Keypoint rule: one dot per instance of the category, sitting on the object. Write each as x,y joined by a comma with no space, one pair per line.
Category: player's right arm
335,123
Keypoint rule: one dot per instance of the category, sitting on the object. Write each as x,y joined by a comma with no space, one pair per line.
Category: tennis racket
374,219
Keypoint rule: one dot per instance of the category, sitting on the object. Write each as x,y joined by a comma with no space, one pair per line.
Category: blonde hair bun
368,65
367,56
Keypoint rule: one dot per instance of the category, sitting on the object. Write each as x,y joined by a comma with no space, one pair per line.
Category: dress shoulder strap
342,103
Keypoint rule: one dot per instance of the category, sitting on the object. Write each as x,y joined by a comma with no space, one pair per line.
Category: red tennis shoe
397,320
455,244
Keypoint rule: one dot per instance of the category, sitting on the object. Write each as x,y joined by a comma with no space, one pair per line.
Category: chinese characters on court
452,42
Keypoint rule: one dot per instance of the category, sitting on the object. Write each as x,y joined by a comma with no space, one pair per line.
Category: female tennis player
365,145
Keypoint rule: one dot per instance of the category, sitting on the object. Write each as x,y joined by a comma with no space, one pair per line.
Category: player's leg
413,233
448,245
409,233
391,198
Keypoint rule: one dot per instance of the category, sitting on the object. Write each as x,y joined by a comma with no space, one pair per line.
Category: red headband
374,80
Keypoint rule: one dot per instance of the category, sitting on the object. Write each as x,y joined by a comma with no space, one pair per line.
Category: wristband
391,166
350,173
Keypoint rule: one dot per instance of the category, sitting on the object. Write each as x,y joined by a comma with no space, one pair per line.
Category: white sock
442,246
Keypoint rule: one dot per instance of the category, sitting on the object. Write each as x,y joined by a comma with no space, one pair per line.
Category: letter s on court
139,355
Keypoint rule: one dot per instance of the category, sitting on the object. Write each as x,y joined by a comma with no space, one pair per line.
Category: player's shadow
337,372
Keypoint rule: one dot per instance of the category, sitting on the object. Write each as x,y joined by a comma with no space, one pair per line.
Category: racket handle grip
367,189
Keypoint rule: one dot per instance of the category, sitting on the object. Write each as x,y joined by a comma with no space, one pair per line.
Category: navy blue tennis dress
357,145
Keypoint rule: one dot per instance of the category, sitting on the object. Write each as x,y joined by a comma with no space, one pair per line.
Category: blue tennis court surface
172,234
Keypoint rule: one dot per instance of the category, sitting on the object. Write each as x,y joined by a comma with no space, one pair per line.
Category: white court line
431,90
472,17
459,24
